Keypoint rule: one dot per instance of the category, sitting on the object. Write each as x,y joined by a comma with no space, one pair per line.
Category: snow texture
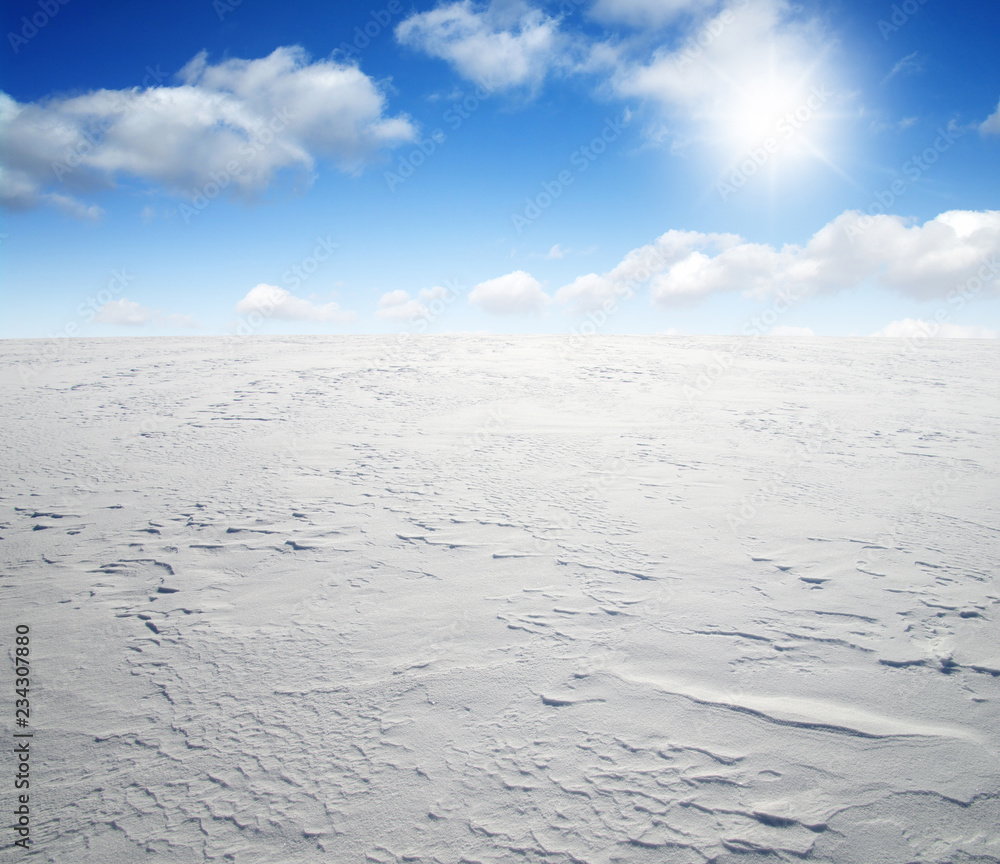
505,599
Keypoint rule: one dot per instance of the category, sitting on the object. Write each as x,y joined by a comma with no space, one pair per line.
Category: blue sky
613,166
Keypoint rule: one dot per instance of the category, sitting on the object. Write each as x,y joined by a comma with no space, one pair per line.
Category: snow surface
505,599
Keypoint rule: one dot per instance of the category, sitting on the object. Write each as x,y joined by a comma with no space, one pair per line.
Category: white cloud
438,292
991,125
589,292
557,252
503,45
957,248
273,302
921,261
910,64
393,298
647,13
235,124
915,328
127,313
789,330
517,292
734,80
67,203
749,266
397,306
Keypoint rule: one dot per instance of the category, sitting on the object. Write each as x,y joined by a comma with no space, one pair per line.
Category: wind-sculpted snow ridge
486,600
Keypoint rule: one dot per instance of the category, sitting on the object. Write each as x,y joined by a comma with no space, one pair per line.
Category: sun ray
778,116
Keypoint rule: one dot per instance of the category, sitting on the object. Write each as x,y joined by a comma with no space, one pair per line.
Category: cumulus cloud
915,328
398,306
991,125
503,45
235,124
734,79
273,302
592,290
750,266
920,261
127,313
957,249
438,292
517,292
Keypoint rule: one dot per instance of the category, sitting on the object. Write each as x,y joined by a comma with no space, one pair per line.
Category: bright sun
772,122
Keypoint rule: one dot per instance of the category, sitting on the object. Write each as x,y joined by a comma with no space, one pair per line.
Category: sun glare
773,124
